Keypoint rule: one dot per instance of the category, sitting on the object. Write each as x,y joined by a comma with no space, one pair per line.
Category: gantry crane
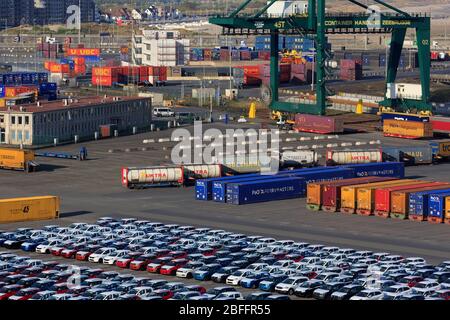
317,24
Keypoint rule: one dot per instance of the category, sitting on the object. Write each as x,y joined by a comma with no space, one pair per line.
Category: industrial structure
316,24
160,48
42,122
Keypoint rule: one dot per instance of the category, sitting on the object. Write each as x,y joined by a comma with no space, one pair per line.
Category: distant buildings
33,124
160,48
17,12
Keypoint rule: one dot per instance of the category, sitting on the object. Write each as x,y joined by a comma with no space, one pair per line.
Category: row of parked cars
273,266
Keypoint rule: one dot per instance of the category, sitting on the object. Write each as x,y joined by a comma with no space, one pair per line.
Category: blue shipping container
378,169
265,190
418,202
404,117
2,91
409,155
436,205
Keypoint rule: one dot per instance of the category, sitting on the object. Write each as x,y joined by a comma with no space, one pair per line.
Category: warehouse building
41,123
160,48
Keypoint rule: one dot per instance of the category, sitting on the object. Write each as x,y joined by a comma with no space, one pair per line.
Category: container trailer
400,199
265,190
16,159
324,195
336,157
410,155
418,204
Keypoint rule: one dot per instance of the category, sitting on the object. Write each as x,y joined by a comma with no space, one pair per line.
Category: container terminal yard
296,151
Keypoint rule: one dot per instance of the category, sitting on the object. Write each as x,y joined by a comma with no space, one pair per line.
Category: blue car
205,272
270,283
31,245
253,280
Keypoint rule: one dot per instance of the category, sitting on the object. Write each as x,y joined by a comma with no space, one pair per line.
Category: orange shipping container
12,92
106,71
80,69
400,200
59,68
79,60
447,210
103,81
407,129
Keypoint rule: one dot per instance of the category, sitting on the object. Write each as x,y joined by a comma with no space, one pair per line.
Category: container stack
386,197
108,76
351,70
253,188
49,50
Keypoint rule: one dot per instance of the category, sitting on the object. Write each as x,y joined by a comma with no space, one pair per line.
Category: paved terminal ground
91,189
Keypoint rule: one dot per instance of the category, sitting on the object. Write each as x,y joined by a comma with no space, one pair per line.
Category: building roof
77,103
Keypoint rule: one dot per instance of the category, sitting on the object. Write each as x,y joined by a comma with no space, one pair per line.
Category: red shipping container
103,81
251,70
79,60
80,69
264,55
245,55
248,80
106,71
298,68
318,124
163,73
434,55
207,54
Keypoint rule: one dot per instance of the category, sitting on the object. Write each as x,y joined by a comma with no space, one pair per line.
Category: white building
287,8
160,48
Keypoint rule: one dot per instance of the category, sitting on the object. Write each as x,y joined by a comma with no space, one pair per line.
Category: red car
142,262
411,281
56,251
71,253
164,293
83,255
125,261
171,268
296,257
161,253
24,294
178,254
196,287
60,287
155,266
8,291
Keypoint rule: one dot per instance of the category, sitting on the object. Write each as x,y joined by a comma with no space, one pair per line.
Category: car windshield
238,273
289,281
391,289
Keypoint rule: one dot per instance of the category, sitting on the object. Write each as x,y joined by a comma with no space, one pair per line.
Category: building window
148,47
19,120
27,135
19,135
27,120
13,120
13,134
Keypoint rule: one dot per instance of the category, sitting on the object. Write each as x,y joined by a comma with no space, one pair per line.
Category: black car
346,292
258,296
307,288
324,292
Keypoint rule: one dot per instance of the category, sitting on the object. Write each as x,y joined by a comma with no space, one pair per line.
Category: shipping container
318,124
336,157
440,149
331,191
418,204
447,210
305,158
399,116
437,207
400,200
17,159
29,209
152,176
407,129
349,194
380,169
219,188
107,130
265,190
383,196
441,124
410,155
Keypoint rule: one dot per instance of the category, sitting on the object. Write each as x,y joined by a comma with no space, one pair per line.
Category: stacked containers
349,194
400,199
324,195
284,70
106,76
351,70
366,198
245,55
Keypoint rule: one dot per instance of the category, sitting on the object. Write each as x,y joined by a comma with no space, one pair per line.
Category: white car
288,285
283,263
394,292
188,270
141,291
46,246
100,254
258,266
111,259
426,288
163,112
230,295
368,294
237,276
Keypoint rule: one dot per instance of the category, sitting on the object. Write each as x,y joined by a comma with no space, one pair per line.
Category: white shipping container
404,91
298,158
132,177
354,156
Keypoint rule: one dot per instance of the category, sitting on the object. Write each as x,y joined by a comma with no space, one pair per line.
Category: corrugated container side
437,207
29,209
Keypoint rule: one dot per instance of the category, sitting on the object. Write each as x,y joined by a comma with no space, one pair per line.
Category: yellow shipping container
407,129
444,148
349,194
29,209
365,197
2,102
16,159
447,210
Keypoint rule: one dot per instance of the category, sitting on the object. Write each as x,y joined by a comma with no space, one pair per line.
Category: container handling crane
317,24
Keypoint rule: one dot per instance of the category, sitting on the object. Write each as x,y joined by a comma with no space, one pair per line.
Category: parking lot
92,188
